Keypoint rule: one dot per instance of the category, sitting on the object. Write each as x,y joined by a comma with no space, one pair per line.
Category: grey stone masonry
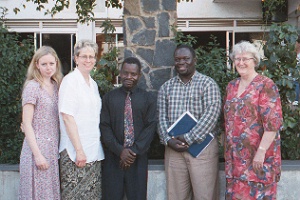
148,36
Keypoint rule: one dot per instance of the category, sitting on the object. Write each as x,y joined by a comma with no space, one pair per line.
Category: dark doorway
63,45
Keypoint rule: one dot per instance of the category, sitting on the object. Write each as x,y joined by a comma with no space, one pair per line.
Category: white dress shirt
83,102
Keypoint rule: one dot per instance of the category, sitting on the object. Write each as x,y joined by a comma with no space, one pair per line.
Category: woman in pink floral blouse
253,118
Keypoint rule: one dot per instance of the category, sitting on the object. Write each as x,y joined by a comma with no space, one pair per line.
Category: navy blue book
183,125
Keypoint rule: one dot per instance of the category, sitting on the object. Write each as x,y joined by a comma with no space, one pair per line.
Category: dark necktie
128,123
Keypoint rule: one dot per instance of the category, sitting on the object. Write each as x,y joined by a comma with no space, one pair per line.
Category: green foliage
212,61
274,10
113,3
15,56
281,61
180,38
107,68
84,8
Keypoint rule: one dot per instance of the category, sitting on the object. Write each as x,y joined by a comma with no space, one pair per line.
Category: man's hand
182,139
127,157
177,145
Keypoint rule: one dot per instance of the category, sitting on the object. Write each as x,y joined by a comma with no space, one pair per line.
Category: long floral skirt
79,183
248,190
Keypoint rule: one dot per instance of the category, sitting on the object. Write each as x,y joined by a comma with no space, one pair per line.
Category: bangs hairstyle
245,47
85,44
34,73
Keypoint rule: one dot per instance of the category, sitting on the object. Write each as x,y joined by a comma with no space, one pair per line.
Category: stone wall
148,36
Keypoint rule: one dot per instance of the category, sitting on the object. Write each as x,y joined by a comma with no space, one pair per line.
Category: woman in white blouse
79,109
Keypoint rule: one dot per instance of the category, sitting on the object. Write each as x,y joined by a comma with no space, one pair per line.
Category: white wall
209,9
195,9
30,11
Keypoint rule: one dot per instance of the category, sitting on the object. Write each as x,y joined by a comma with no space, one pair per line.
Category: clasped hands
178,144
127,158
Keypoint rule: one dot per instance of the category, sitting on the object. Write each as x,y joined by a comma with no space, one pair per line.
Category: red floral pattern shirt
247,116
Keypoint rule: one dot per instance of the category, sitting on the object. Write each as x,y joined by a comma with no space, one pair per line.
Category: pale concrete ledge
288,187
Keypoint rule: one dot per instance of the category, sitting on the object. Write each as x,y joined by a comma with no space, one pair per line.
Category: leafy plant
15,56
107,69
274,10
84,8
281,65
213,62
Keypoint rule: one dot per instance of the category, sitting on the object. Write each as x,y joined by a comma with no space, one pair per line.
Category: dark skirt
79,183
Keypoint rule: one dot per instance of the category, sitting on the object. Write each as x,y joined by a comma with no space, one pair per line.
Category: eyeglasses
245,60
88,57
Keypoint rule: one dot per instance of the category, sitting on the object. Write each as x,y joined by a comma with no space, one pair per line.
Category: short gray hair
85,44
245,47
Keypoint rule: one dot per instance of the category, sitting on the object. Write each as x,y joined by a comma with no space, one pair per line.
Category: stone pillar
148,36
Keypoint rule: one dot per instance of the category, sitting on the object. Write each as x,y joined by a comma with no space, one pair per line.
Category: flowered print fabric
243,190
79,183
34,183
247,116
128,123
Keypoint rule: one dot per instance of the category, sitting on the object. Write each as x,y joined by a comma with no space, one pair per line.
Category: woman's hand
80,159
41,163
259,159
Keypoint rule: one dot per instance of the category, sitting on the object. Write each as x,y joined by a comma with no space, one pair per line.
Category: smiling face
47,66
129,74
245,64
184,63
85,60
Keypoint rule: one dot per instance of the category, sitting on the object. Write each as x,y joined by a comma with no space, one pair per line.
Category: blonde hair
33,73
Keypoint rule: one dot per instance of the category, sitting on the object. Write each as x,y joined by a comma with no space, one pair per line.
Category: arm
40,161
72,132
271,114
163,123
210,116
108,136
266,141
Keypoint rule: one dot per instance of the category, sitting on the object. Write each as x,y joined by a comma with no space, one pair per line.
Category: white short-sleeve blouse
83,102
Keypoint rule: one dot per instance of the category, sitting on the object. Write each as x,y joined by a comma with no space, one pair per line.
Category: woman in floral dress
39,172
253,118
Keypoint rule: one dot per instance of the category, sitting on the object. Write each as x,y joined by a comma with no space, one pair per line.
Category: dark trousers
131,182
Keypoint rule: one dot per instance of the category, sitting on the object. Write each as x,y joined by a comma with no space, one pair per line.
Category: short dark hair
132,60
185,46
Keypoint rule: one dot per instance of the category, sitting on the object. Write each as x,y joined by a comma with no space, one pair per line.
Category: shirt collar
80,76
195,75
133,90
